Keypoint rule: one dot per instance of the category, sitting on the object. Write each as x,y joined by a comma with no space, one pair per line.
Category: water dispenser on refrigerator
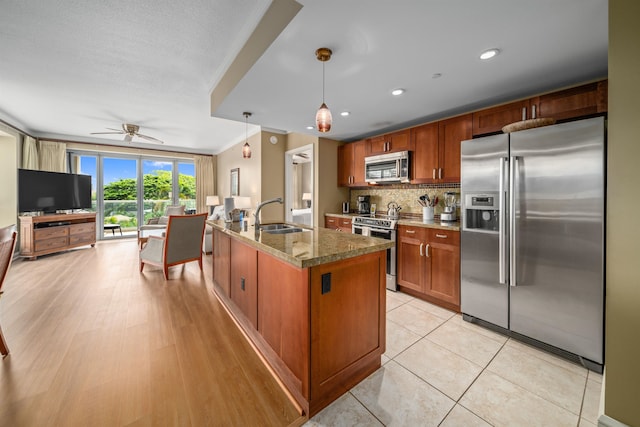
481,212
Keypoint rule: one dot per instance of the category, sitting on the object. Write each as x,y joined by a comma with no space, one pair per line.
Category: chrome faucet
257,214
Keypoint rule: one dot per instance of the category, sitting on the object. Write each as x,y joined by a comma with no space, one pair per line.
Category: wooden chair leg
4,350
141,266
200,262
165,270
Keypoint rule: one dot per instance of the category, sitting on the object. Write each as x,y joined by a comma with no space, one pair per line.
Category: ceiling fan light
323,118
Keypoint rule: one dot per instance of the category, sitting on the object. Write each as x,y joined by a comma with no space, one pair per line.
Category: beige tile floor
439,370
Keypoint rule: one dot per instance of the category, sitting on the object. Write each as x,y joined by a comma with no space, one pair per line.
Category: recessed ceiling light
489,53
397,92
345,113
309,127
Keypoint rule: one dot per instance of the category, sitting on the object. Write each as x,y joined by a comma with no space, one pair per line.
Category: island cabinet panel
347,324
244,280
283,306
222,261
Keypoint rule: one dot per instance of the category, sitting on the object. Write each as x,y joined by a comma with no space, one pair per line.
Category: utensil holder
427,213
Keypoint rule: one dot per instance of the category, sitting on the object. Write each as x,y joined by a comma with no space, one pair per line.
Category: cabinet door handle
439,173
331,220
411,231
434,173
533,111
442,236
524,113
426,250
421,245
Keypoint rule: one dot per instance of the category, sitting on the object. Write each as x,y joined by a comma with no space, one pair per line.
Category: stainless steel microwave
387,168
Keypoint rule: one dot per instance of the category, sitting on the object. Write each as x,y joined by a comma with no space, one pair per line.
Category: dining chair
181,243
7,245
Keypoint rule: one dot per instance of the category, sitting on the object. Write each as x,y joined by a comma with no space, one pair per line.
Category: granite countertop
311,247
412,221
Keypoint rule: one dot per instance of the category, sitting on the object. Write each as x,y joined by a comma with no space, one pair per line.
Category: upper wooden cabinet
351,164
436,156
575,102
566,104
494,119
390,143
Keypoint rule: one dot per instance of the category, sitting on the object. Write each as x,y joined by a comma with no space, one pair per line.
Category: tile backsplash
406,198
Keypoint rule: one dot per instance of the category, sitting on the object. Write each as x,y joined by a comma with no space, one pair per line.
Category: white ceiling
69,68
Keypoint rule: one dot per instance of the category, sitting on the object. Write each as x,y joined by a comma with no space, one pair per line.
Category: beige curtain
29,153
205,181
53,156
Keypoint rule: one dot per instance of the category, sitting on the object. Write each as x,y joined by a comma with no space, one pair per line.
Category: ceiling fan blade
106,133
150,138
127,138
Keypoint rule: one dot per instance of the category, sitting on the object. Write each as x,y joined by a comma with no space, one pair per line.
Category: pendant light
246,149
323,116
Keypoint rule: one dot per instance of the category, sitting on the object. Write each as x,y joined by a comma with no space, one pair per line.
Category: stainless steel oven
381,228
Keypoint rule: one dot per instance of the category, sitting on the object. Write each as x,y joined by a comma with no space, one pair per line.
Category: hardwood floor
95,342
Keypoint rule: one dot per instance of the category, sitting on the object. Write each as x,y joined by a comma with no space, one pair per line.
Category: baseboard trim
606,421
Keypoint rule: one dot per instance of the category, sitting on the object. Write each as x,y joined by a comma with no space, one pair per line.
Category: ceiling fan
129,131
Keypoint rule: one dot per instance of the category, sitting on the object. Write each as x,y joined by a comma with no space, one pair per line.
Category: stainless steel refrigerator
532,240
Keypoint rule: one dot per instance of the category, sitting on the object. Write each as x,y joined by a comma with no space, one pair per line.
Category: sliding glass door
130,190
119,196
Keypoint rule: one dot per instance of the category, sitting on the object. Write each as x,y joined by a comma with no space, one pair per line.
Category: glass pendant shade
246,151
323,118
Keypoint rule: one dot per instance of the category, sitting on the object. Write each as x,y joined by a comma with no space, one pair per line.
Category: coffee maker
364,204
450,205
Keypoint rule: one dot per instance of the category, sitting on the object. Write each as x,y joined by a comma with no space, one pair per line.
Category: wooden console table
47,234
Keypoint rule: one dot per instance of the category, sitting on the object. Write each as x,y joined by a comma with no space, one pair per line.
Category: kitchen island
311,302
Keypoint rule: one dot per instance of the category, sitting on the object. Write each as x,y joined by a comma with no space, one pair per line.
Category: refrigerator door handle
513,189
502,229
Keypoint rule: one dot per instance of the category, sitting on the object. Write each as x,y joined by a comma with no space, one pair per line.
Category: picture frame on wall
235,182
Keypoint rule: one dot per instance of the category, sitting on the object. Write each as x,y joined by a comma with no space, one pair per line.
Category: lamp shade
306,196
323,118
242,202
212,201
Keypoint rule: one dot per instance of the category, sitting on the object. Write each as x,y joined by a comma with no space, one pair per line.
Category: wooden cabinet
321,329
566,104
221,249
46,234
491,120
338,223
244,280
436,157
351,164
429,264
390,143
571,103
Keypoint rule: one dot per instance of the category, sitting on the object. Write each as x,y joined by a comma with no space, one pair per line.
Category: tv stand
47,234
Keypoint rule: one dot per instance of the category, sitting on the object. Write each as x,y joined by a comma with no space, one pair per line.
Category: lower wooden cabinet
221,247
429,264
47,234
338,223
244,280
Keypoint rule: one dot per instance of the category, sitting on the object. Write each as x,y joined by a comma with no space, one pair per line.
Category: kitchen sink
283,230
280,228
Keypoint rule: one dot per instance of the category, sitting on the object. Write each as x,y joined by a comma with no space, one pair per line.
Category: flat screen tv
52,191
